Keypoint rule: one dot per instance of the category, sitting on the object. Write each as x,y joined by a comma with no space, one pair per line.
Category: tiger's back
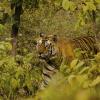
86,44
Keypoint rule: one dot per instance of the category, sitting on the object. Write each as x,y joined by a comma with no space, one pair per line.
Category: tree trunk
16,8
94,27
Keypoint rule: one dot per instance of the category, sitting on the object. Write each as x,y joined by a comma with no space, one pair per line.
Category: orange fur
65,47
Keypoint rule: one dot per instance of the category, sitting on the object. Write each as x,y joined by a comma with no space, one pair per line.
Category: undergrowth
78,81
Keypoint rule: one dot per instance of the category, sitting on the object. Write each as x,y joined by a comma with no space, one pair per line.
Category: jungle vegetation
21,21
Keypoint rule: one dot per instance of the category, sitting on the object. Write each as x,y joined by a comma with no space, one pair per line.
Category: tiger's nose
40,53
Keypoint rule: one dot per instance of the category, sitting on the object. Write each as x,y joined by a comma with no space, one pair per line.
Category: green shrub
75,82
17,78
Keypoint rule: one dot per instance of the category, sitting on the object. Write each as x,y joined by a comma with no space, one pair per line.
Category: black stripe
84,47
45,83
77,41
47,75
49,68
93,43
84,44
89,42
79,45
92,38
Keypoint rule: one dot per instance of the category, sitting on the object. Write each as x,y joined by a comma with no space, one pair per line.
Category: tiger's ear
55,38
42,34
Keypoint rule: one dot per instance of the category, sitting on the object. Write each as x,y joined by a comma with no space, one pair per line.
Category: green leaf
19,72
97,57
82,24
2,47
74,63
68,5
65,4
97,1
8,46
58,2
28,58
14,83
85,8
72,6
79,65
1,29
96,81
90,6
84,70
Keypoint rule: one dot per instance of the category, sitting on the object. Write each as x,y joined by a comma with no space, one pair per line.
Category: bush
18,77
75,82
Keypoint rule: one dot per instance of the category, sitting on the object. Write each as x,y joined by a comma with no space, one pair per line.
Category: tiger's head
46,46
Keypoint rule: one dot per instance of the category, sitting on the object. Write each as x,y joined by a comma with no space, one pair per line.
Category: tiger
50,46
56,50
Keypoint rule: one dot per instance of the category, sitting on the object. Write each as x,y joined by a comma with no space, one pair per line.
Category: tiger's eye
49,42
40,41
